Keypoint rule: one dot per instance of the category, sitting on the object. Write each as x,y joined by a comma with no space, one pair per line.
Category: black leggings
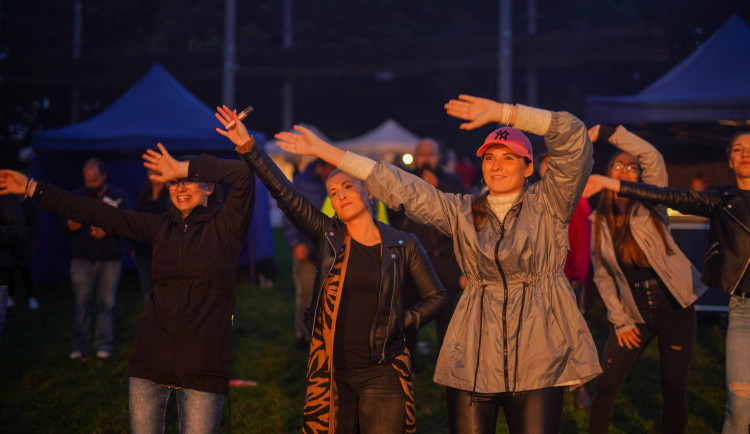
530,411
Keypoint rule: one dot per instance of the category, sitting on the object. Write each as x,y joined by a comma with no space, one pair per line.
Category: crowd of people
501,268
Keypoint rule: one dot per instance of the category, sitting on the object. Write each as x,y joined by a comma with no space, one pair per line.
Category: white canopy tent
385,142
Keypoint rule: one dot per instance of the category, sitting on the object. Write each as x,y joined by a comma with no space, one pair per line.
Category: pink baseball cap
510,137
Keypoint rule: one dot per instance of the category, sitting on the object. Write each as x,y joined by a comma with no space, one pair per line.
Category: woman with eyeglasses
645,281
181,349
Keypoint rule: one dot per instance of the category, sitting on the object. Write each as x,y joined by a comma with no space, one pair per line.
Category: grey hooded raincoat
517,326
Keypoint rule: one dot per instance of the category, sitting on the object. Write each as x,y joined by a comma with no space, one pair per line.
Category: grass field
41,391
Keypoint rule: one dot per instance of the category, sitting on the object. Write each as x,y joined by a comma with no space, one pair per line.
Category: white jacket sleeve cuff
356,165
533,120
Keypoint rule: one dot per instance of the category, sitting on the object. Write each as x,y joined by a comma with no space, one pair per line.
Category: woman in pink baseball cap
516,339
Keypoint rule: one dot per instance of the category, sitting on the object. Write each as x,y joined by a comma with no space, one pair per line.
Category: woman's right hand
594,133
305,143
597,183
629,339
164,165
238,134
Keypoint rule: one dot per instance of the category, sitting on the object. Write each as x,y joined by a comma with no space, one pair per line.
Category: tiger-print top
320,398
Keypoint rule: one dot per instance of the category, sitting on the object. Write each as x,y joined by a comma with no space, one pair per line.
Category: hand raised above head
165,166
597,183
478,111
238,133
304,143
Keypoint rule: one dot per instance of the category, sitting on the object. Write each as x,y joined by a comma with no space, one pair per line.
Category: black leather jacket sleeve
431,290
684,200
310,220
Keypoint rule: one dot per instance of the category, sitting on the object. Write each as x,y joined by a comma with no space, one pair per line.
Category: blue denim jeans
95,290
737,415
151,403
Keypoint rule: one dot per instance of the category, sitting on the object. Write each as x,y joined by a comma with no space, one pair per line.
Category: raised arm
653,169
571,157
129,224
394,187
310,220
431,290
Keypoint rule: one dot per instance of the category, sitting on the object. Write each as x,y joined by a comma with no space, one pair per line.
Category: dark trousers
530,411
370,399
675,328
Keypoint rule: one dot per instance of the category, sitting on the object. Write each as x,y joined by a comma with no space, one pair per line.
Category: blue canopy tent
158,108
711,84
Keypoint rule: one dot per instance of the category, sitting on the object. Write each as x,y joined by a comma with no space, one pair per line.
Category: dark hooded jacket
184,332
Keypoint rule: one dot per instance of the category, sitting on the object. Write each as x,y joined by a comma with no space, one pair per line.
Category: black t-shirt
744,285
358,306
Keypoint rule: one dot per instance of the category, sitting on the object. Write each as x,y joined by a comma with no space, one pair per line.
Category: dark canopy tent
158,108
711,84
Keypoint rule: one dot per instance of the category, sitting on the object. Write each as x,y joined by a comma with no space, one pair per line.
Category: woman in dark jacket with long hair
181,349
359,372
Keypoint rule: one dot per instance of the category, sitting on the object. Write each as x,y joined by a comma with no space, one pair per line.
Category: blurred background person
310,182
153,199
11,231
438,246
21,257
578,261
95,267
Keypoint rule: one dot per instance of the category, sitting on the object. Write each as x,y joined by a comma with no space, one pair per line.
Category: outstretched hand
238,134
478,111
165,166
304,143
12,182
597,183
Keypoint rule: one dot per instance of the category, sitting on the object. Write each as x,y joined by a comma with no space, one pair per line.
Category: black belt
645,284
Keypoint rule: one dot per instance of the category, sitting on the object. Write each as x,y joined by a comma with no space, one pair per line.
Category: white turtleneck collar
500,205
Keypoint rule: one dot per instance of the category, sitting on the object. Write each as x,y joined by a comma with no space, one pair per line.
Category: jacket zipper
177,303
390,315
505,307
744,269
320,293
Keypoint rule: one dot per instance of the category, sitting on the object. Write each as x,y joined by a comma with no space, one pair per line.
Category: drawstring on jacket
518,334
479,346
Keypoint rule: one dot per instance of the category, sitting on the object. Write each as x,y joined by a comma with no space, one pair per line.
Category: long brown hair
618,221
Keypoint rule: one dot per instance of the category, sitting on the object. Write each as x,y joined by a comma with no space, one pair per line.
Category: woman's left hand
304,143
597,183
164,164
12,182
238,134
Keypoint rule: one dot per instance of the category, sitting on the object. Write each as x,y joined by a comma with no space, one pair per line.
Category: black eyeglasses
632,167
186,182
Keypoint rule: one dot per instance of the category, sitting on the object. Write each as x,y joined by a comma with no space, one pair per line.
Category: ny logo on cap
501,135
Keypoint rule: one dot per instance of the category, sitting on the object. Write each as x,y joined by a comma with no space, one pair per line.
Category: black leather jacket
403,259
728,255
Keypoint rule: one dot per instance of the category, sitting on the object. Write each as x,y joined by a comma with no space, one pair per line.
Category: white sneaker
11,303
33,304
102,354
76,355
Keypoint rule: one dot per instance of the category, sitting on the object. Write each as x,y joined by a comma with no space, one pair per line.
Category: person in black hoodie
181,348
359,372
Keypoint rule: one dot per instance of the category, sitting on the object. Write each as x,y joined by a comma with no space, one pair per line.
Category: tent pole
230,51
505,51
287,90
